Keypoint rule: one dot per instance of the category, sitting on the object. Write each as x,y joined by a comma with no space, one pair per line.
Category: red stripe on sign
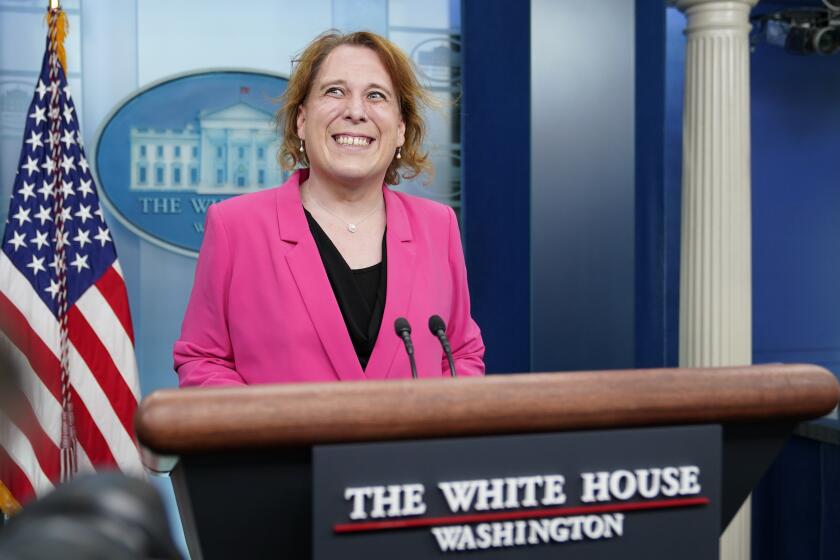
15,479
23,415
513,515
41,358
112,288
103,368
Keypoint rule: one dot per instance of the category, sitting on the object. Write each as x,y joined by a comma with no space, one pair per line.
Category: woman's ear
401,133
301,121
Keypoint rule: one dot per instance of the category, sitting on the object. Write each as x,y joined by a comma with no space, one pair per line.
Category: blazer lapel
400,263
308,271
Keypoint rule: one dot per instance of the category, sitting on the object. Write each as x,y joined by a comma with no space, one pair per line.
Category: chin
353,174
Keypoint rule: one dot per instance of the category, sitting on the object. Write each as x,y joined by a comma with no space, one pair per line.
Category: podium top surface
179,421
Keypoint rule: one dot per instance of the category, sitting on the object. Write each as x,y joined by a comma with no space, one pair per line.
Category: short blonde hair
410,94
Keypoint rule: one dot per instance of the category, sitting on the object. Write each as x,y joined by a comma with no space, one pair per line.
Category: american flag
64,312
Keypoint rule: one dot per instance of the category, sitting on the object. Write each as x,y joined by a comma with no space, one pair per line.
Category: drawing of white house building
228,151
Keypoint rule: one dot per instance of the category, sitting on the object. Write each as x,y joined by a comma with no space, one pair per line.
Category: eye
335,91
376,95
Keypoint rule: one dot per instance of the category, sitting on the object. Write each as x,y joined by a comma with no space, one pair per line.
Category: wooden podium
241,459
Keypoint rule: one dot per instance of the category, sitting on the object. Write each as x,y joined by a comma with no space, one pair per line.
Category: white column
715,265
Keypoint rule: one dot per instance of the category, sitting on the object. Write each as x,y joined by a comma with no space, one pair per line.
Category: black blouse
360,293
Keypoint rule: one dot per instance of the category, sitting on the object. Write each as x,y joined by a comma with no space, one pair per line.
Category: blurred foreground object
103,516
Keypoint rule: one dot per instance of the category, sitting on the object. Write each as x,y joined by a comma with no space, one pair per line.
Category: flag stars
35,140
82,237
27,190
39,115
22,216
31,165
17,240
80,262
84,213
49,165
40,239
53,289
84,187
103,236
55,196
37,265
67,164
41,90
47,189
68,138
44,214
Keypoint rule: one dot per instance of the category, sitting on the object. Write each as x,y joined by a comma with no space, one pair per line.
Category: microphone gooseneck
403,330
438,328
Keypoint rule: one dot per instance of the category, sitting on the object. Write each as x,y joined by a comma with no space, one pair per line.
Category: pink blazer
262,309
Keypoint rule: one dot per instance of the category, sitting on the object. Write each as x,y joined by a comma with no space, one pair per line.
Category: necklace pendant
351,228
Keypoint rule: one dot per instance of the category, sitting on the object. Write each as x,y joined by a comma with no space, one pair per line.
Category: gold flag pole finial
57,22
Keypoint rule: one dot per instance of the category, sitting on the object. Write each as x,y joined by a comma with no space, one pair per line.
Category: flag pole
68,441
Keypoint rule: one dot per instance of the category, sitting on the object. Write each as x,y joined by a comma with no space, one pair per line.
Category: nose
355,109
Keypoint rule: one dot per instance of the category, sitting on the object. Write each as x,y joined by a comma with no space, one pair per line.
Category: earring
301,146
399,152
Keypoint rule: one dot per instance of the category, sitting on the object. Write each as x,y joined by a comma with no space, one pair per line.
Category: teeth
352,140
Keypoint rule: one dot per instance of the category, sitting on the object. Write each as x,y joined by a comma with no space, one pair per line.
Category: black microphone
438,328
403,330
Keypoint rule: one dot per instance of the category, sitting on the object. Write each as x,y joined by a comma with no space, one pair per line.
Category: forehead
354,65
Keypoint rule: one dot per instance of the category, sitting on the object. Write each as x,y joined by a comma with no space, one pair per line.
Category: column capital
716,15
685,5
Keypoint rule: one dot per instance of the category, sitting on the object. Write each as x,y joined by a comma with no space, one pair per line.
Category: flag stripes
99,364
105,324
44,406
45,367
14,479
45,449
22,454
38,364
90,438
107,420
111,287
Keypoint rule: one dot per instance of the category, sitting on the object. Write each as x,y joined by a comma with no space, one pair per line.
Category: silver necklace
351,227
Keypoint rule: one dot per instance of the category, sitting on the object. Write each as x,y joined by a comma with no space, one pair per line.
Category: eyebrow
372,85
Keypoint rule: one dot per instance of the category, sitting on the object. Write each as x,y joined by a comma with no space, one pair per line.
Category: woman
304,282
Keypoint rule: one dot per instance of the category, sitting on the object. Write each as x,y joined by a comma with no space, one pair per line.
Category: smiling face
350,121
